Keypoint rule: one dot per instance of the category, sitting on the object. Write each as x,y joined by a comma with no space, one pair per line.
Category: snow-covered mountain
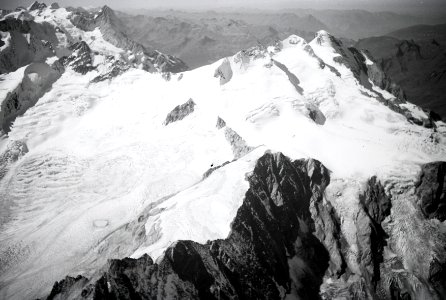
294,171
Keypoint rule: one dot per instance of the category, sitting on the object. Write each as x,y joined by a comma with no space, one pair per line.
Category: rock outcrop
37,6
291,77
14,151
371,236
367,71
29,42
315,114
224,72
238,144
114,68
431,190
114,32
220,123
382,80
37,80
180,112
270,252
81,58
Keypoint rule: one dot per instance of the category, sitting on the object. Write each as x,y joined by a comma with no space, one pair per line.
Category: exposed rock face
29,42
417,66
356,62
387,265
67,288
382,80
115,68
37,80
371,236
295,40
220,123
315,114
328,231
14,151
238,144
224,72
37,6
269,253
212,169
80,60
113,32
431,190
292,78
180,112
366,70
167,63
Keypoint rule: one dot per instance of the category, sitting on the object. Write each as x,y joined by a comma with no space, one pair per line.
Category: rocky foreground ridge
285,240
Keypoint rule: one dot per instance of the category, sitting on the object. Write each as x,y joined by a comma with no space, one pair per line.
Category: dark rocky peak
82,19
245,56
107,15
29,42
165,62
431,190
114,32
180,112
15,25
37,6
26,95
106,11
115,67
81,58
239,146
220,123
270,252
324,38
364,72
375,201
348,56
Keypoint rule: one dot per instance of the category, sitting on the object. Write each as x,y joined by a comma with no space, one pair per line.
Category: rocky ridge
270,252
367,71
286,239
49,47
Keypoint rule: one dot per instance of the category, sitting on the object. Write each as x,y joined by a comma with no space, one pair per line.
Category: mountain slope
419,67
421,32
58,38
57,28
127,166
201,38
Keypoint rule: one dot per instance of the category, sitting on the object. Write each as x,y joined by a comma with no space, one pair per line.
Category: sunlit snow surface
99,156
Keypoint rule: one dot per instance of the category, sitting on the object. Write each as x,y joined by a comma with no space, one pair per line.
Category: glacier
105,178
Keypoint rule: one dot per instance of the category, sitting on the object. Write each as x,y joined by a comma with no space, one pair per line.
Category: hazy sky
263,4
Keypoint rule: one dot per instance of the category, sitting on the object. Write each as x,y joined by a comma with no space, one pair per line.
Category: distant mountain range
201,37
415,57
